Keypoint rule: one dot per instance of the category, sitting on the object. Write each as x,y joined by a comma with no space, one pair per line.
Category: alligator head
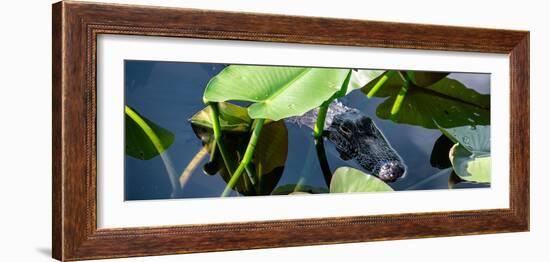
357,137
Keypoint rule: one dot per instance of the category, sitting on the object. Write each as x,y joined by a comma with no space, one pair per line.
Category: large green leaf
276,92
349,180
424,78
143,138
270,155
471,155
446,101
362,77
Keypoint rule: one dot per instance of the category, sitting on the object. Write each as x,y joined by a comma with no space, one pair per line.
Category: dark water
169,93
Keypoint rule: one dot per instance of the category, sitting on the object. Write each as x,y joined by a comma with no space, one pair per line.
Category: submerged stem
219,143
214,114
320,123
248,154
322,155
190,168
319,142
380,83
319,127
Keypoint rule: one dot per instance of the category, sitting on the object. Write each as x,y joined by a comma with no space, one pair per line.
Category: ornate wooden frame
76,26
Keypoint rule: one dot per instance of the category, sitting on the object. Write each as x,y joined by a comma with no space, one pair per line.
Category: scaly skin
357,137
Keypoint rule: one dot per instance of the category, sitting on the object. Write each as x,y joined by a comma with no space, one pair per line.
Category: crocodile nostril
389,172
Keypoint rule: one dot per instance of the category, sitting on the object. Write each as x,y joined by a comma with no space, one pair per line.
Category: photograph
202,130
275,131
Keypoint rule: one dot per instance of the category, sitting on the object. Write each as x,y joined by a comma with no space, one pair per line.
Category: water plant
242,126
420,98
277,93
236,129
145,140
471,154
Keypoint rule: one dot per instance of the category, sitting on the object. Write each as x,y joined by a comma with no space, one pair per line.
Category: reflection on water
169,93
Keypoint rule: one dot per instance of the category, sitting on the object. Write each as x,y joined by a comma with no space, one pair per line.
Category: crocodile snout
357,137
391,171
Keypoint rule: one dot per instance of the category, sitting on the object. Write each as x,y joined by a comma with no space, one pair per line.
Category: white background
25,160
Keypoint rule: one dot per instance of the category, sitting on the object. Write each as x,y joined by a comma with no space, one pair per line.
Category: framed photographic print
181,130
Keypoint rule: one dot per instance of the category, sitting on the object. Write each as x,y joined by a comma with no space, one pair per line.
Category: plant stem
320,126
320,123
176,190
380,83
319,142
400,97
190,168
248,154
250,172
322,155
404,76
214,114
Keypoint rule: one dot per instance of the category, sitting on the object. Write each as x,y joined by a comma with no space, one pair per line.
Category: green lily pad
446,101
267,165
270,156
469,167
232,118
471,155
143,138
293,188
456,182
350,180
475,139
277,92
